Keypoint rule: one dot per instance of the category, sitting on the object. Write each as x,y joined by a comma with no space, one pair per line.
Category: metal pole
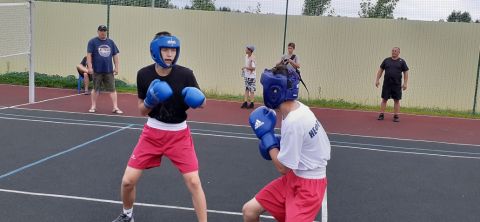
476,87
31,73
285,29
153,3
108,18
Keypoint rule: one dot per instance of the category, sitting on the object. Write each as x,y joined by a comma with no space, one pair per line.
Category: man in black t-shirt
82,70
392,82
165,92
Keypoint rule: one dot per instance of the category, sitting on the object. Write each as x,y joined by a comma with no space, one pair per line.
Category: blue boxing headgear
279,87
164,42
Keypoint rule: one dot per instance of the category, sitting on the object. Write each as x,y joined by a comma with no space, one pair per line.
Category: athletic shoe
123,218
396,118
381,116
244,105
250,106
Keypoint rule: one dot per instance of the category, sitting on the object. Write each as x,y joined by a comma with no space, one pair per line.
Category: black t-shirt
393,70
173,110
83,63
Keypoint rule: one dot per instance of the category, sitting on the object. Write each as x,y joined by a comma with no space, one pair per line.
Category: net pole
108,18
285,28
474,110
31,73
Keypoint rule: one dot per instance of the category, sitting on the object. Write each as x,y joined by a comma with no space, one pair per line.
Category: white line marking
46,100
120,202
251,138
401,139
66,119
404,152
81,146
234,125
215,131
405,148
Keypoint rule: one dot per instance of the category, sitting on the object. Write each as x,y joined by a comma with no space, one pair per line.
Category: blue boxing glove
263,120
193,97
265,152
157,92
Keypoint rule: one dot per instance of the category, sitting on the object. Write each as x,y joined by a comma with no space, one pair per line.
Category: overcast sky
412,9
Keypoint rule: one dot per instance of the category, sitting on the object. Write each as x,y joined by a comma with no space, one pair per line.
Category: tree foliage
458,16
315,7
381,9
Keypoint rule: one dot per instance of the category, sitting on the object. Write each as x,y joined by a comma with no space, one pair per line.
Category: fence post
285,29
108,18
476,86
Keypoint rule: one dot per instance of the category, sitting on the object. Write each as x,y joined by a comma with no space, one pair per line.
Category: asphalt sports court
67,166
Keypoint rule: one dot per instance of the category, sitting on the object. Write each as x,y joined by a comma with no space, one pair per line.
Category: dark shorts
81,75
107,80
392,92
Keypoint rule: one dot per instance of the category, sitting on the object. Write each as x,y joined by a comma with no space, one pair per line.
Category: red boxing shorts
293,199
155,143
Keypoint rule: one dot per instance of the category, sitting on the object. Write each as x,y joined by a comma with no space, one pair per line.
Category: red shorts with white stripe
293,199
155,143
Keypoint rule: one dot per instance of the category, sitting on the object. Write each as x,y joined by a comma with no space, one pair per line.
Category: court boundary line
59,153
71,197
236,125
254,138
318,108
41,101
219,133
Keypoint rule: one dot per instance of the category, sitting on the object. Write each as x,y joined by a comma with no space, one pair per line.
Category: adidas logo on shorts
258,124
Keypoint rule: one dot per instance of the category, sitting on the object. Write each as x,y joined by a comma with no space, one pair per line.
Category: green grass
55,81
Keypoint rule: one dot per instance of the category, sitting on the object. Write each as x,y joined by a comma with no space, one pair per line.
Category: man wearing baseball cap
100,52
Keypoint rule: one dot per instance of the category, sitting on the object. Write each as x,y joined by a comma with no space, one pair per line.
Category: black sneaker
396,118
123,218
250,106
244,105
381,116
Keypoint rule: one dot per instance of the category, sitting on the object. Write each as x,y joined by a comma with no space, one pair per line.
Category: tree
459,17
478,21
163,4
224,9
382,9
315,7
258,8
207,5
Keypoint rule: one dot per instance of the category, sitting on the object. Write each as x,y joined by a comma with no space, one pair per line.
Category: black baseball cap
102,28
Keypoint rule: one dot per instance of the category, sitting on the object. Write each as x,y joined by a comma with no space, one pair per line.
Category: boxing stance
165,92
300,154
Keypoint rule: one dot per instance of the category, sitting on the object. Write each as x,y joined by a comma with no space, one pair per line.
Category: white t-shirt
304,147
249,62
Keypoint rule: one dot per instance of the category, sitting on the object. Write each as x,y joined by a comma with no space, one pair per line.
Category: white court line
405,152
120,202
401,139
226,124
41,101
250,135
404,148
250,138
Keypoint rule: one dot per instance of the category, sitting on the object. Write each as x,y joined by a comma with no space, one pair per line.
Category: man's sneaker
381,116
251,105
244,105
396,118
123,218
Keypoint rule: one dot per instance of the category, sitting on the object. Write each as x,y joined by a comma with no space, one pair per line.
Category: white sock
128,212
